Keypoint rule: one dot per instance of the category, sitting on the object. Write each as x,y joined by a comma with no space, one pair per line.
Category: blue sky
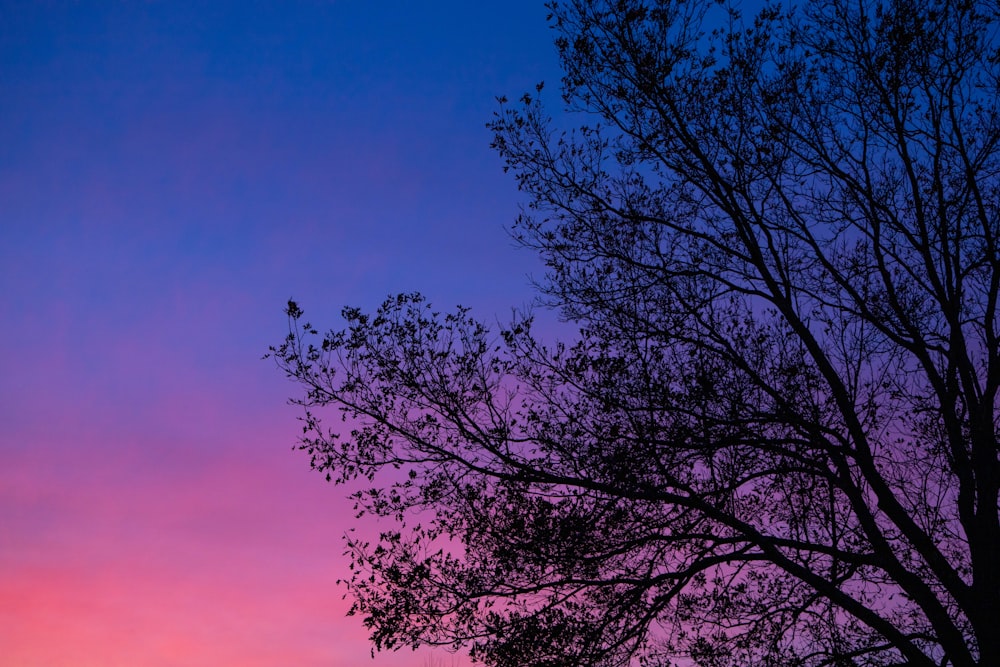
171,173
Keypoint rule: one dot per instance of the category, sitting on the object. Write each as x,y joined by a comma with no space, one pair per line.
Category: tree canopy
774,439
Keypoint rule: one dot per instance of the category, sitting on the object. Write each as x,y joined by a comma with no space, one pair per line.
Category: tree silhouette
774,440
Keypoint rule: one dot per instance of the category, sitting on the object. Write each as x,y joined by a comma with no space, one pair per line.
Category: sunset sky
170,174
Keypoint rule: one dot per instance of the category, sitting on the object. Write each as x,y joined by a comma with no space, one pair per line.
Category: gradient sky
170,174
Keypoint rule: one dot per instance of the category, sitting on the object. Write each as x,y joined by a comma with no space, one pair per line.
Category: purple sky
170,175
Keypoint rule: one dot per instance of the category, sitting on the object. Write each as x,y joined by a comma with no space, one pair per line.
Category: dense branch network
774,440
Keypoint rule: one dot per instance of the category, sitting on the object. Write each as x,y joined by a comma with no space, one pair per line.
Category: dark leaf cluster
774,439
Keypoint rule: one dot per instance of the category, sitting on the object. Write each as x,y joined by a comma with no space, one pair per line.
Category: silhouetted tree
774,441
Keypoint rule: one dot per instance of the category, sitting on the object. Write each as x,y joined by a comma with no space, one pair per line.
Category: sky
171,173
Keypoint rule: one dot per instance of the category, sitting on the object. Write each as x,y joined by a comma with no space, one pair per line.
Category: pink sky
171,176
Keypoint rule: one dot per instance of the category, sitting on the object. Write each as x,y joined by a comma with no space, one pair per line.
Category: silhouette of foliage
774,440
